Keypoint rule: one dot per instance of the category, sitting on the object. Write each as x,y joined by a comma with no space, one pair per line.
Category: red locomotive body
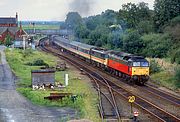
119,67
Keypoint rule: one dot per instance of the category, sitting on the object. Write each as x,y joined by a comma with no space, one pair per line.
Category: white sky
57,9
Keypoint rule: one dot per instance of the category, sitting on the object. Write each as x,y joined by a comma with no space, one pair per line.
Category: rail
158,113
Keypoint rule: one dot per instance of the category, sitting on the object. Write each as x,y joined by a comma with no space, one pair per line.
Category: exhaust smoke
83,7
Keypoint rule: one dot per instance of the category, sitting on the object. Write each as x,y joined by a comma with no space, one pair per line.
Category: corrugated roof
8,21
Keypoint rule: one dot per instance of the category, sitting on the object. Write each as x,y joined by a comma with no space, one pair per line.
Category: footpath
16,108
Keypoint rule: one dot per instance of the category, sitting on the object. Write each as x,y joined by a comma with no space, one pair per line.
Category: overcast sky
57,9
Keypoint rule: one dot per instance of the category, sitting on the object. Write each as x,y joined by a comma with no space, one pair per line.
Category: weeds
154,67
177,77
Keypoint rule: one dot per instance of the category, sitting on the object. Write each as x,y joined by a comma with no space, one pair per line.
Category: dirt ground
16,108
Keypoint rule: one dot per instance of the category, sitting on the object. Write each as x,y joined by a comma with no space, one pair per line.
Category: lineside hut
43,77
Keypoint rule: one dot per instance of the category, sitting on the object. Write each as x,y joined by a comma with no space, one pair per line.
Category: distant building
20,33
20,36
8,25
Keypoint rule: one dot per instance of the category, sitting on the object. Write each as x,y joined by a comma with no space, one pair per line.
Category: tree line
134,29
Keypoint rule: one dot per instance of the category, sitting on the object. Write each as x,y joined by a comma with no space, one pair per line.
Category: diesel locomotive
130,67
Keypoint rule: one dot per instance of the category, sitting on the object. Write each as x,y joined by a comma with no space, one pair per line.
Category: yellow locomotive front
140,71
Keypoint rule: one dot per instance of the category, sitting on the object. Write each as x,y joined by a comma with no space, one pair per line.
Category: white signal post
66,79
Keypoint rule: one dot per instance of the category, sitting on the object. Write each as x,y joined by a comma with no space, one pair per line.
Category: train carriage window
103,55
144,64
106,56
87,51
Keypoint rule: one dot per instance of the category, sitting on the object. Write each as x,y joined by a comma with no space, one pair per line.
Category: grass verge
167,74
165,79
86,98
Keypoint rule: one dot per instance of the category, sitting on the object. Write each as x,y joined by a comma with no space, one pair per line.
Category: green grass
41,27
86,101
166,75
166,79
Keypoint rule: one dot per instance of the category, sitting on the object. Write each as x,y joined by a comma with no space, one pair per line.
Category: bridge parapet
49,31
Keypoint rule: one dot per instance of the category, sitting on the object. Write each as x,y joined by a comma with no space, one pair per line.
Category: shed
43,76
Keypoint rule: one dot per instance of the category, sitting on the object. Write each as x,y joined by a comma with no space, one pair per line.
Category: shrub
8,40
156,45
177,77
173,28
175,57
37,62
154,67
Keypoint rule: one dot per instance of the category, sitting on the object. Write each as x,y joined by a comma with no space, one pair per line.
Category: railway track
173,99
167,96
155,111
107,103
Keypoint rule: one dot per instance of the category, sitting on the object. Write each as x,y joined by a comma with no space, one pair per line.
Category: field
86,100
41,27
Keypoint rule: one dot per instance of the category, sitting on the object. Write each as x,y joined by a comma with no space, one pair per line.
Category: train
132,68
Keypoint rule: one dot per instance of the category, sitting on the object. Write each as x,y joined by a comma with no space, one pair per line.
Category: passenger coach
130,67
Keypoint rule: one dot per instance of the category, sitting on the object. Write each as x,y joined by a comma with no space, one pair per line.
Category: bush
156,45
38,62
154,67
145,27
173,28
175,57
177,77
175,21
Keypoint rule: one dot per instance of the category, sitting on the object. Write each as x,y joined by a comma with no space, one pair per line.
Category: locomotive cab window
136,64
144,64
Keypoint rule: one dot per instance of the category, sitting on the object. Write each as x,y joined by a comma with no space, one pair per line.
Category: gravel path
16,108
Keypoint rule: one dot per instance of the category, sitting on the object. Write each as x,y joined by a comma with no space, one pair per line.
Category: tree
73,19
8,40
164,11
156,45
134,13
173,28
115,40
129,13
132,42
145,27
81,31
